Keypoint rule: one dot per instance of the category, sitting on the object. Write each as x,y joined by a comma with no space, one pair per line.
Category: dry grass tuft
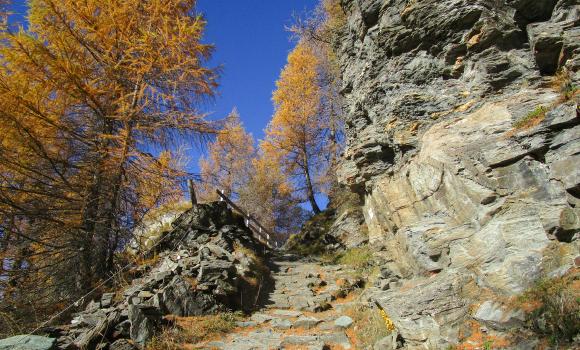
192,330
476,339
562,83
553,307
369,326
360,259
148,261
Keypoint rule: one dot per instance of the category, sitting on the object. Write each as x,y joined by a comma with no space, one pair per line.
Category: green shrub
309,241
570,91
359,258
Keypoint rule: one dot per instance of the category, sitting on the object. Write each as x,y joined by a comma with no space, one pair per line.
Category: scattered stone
279,323
317,346
299,339
326,326
261,318
387,343
343,322
499,316
336,338
306,322
144,294
262,339
144,322
287,313
107,299
246,324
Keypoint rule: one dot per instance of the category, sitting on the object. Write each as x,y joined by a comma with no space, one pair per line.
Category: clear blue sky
251,46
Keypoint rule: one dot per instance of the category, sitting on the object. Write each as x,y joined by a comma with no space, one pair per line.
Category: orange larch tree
298,134
85,91
270,197
228,164
320,31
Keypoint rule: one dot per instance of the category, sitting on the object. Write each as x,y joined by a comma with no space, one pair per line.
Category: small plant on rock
571,91
562,83
388,322
532,119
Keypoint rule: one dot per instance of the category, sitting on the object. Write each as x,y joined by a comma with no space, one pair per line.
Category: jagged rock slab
28,342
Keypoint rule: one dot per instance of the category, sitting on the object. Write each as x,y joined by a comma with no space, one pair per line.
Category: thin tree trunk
310,189
103,263
104,231
84,243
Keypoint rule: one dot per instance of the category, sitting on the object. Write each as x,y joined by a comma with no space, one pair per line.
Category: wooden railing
260,232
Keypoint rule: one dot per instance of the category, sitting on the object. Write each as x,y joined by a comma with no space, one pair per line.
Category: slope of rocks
200,268
467,209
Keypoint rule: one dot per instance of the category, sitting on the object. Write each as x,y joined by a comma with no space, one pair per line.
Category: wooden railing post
192,196
259,232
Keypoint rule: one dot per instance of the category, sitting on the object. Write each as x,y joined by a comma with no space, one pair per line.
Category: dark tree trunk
310,190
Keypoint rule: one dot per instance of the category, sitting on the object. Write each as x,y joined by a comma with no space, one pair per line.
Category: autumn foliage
228,165
296,137
251,177
95,96
85,92
297,159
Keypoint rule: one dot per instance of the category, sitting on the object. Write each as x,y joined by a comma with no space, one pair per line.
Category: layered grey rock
451,188
198,273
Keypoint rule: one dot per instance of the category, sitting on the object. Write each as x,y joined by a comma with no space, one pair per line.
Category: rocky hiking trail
302,310
210,267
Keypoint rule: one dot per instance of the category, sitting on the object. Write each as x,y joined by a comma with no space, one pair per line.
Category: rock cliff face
466,149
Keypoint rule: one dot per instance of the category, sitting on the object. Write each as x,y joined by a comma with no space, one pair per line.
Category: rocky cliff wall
463,137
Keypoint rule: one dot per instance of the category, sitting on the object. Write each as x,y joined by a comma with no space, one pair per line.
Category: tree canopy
84,93
228,165
296,138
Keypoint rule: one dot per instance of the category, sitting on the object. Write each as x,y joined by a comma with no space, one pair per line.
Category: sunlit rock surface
462,203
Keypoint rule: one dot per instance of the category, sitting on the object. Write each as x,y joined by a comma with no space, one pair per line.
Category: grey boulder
28,342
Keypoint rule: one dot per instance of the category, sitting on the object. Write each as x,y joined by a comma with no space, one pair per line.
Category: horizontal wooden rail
260,232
